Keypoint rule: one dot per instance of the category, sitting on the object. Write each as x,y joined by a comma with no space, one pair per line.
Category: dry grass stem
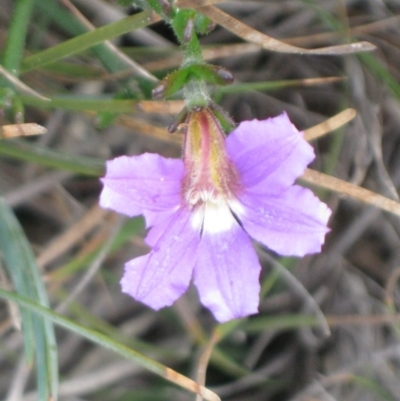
72,236
329,125
204,359
390,289
266,42
354,31
345,188
190,385
360,320
160,107
111,230
150,130
19,85
16,130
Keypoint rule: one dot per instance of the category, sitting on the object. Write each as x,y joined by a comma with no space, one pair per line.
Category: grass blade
15,43
39,335
112,345
26,151
88,40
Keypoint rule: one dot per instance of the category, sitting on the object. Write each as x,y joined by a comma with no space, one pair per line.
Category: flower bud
210,176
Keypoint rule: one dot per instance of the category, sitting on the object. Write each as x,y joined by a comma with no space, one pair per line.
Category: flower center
212,217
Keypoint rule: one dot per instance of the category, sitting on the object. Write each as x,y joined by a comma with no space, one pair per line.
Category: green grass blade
83,104
373,386
67,21
15,43
60,16
87,40
107,342
284,322
11,257
381,72
267,85
31,152
21,265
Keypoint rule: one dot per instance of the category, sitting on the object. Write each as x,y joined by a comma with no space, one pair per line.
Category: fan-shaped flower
203,210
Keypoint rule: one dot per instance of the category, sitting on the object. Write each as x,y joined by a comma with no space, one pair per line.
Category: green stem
15,44
195,90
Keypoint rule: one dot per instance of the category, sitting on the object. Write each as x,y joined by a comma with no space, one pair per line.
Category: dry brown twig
25,129
204,359
353,191
340,186
20,86
329,125
266,42
72,236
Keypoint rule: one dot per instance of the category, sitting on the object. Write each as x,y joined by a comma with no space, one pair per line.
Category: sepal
171,84
203,24
162,7
176,80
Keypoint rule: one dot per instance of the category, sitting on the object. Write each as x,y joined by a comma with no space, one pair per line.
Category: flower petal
291,223
227,274
269,155
147,184
159,278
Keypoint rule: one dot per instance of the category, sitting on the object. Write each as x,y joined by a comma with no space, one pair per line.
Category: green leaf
39,337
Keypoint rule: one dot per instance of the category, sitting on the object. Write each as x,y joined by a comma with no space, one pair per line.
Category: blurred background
94,98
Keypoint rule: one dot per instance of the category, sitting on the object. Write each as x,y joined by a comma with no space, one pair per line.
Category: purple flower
203,210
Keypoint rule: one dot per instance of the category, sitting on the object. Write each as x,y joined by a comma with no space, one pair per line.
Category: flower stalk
194,74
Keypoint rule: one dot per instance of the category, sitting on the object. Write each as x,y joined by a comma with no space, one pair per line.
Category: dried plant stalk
72,236
15,130
20,86
189,384
329,125
167,107
204,359
351,190
251,35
